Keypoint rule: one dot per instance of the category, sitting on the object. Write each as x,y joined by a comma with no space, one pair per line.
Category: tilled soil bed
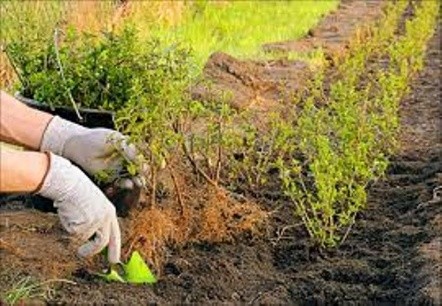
381,262
391,257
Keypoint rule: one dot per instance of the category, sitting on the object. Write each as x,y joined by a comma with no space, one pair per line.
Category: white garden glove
82,208
94,150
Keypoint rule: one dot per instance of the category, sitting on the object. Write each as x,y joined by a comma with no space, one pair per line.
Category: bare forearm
20,124
22,171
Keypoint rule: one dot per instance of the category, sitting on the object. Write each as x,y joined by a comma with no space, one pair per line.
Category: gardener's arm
20,124
94,150
82,207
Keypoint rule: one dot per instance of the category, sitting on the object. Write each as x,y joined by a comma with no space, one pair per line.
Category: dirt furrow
263,86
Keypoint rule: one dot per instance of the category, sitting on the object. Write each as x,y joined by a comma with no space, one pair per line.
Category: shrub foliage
326,148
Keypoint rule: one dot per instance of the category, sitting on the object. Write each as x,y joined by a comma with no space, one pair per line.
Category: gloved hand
82,208
94,150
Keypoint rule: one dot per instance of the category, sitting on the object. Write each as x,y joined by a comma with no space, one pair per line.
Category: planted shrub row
346,144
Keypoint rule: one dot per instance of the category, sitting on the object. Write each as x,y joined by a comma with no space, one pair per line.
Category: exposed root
222,218
10,248
191,214
152,229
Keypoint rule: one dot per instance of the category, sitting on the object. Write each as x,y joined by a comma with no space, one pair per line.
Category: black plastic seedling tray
91,118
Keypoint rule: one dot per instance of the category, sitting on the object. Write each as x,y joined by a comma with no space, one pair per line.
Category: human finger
98,243
114,246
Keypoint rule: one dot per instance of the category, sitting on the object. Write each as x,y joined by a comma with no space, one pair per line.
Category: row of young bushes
337,137
346,143
326,154
325,149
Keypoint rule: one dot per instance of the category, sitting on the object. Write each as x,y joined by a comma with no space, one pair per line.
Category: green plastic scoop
135,271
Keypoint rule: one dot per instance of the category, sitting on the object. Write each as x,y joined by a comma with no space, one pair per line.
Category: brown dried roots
192,213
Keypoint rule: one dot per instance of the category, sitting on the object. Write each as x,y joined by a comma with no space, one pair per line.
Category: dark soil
391,256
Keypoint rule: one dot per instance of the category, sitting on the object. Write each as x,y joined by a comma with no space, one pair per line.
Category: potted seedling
82,83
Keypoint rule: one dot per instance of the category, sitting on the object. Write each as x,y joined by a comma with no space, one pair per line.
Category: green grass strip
241,27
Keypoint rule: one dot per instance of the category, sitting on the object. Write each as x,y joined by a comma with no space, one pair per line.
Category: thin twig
348,230
220,152
208,164
22,81
131,246
280,233
195,166
57,55
264,161
177,189
58,280
154,186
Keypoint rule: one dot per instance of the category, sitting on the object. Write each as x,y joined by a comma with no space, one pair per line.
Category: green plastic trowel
135,271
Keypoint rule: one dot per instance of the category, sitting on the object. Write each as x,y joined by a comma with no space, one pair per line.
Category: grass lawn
241,27
236,27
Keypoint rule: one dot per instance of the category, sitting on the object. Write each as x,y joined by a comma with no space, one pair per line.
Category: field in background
238,28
